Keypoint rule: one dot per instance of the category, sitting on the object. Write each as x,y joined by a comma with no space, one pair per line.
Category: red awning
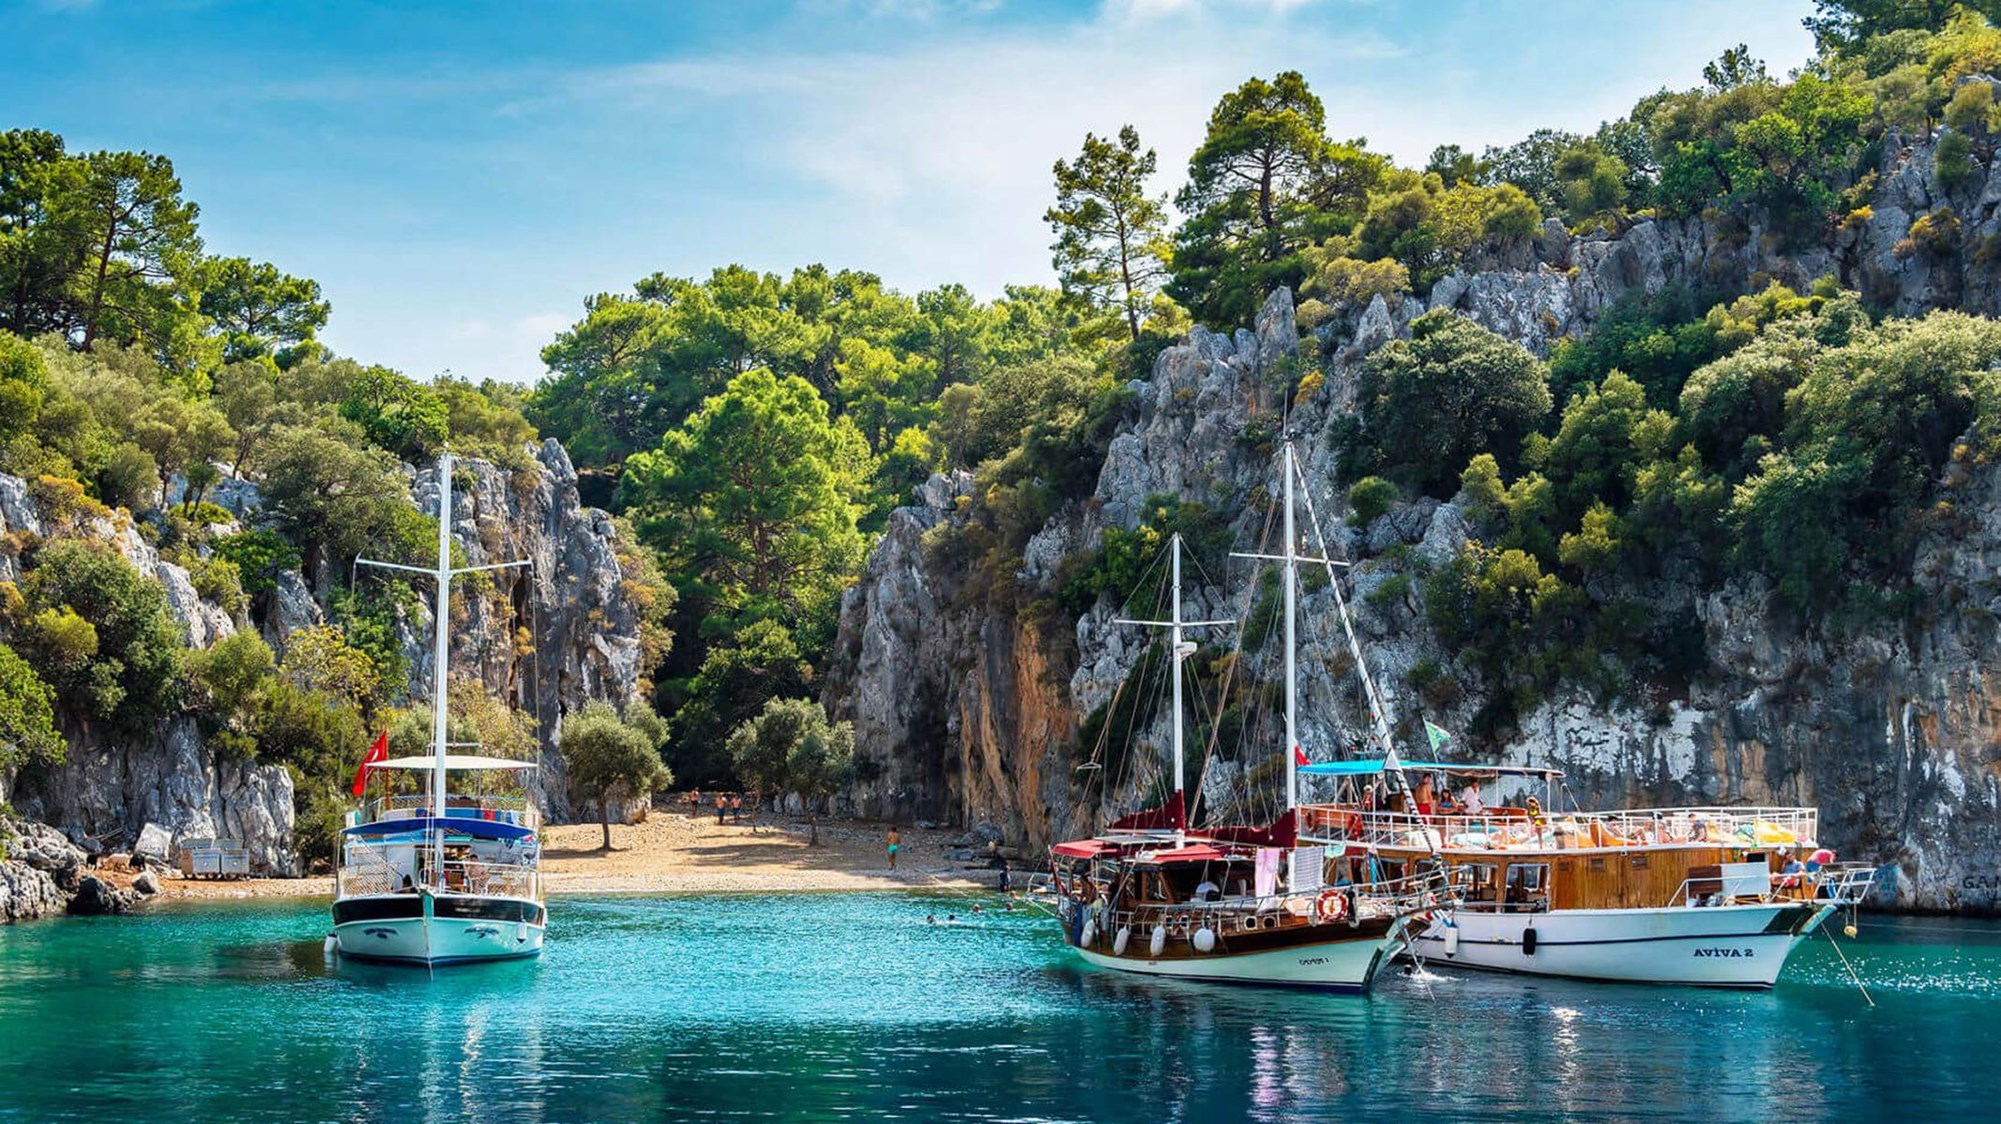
1083,849
1193,853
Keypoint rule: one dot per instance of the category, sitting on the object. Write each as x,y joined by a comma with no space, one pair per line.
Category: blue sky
460,176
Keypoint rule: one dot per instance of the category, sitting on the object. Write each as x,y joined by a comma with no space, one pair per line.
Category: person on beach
736,808
694,803
1007,876
721,807
894,845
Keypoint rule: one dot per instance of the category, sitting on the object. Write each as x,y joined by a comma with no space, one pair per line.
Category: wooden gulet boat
1712,896
1234,904
443,877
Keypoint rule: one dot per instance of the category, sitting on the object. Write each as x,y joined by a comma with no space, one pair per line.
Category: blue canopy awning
462,825
1375,765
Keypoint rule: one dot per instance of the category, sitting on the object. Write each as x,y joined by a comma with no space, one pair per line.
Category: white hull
1715,946
1334,965
438,940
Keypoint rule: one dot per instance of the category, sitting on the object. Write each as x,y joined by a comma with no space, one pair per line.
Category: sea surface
851,1007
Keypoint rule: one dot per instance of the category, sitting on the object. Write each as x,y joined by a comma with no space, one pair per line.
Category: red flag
377,752
1299,756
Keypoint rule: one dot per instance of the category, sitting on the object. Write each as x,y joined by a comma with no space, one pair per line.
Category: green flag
1438,737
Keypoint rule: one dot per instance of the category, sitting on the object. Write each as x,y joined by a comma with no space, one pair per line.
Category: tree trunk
604,813
97,290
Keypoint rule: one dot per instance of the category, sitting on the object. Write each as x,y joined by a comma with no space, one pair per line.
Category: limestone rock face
113,787
39,864
966,712
547,637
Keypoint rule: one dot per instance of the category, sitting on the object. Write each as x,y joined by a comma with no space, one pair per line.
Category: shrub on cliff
27,715
132,675
1454,389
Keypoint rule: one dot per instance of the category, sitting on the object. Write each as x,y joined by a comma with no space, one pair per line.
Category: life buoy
1332,906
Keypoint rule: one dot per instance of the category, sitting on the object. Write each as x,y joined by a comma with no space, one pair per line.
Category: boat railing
517,810
485,879
1504,829
364,873
1735,883
1399,897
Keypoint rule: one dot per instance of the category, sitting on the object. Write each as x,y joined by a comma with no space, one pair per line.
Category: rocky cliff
544,638
968,708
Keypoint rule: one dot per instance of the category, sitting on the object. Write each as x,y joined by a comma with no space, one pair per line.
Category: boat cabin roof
461,762
466,825
1376,765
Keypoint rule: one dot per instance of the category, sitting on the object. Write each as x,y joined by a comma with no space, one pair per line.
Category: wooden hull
1326,957
1738,946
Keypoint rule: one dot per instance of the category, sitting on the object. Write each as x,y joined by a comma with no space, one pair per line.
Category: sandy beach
673,852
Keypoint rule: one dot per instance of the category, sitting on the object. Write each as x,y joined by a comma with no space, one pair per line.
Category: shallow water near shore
848,1006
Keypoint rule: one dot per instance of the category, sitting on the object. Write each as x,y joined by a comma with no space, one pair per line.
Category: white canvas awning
453,761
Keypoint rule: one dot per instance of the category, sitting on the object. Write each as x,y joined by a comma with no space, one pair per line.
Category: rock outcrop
966,711
545,638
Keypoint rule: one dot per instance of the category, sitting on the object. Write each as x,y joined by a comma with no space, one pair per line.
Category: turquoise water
829,1007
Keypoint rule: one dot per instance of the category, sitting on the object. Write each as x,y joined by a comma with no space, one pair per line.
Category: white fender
1089,936
1451,938
1159,943
1119,942
1204,939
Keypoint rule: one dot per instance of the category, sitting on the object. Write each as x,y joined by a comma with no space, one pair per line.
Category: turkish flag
1298,755
377,752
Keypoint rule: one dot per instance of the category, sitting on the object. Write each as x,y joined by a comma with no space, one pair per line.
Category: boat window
1528,885
1481,885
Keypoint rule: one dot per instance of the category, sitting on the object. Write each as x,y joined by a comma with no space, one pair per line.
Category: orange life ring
1333,905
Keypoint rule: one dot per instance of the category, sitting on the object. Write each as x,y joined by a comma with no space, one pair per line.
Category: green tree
819,766
320,659
608,756
763,747
137,282
258,310
407,419
27,715
1110,233
1264,183
736,675
752,502
322,491
1452,390
133,676
42,244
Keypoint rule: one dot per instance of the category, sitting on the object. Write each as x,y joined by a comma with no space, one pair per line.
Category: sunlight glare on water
832,1006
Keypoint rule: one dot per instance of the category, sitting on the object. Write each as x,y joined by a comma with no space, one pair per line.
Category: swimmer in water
930,919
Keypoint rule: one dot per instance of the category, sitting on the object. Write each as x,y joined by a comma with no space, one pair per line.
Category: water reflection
849,1008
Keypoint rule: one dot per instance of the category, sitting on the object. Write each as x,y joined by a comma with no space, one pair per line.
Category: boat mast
1174,635
441,650
1179,649
1291,686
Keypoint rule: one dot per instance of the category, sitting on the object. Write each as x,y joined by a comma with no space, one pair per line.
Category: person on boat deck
1472,803
1207,891
1446,805
1369,797
408,887
1425,796
1794,870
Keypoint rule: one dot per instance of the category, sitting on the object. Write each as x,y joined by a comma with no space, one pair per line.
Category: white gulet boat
445,876
1255,905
